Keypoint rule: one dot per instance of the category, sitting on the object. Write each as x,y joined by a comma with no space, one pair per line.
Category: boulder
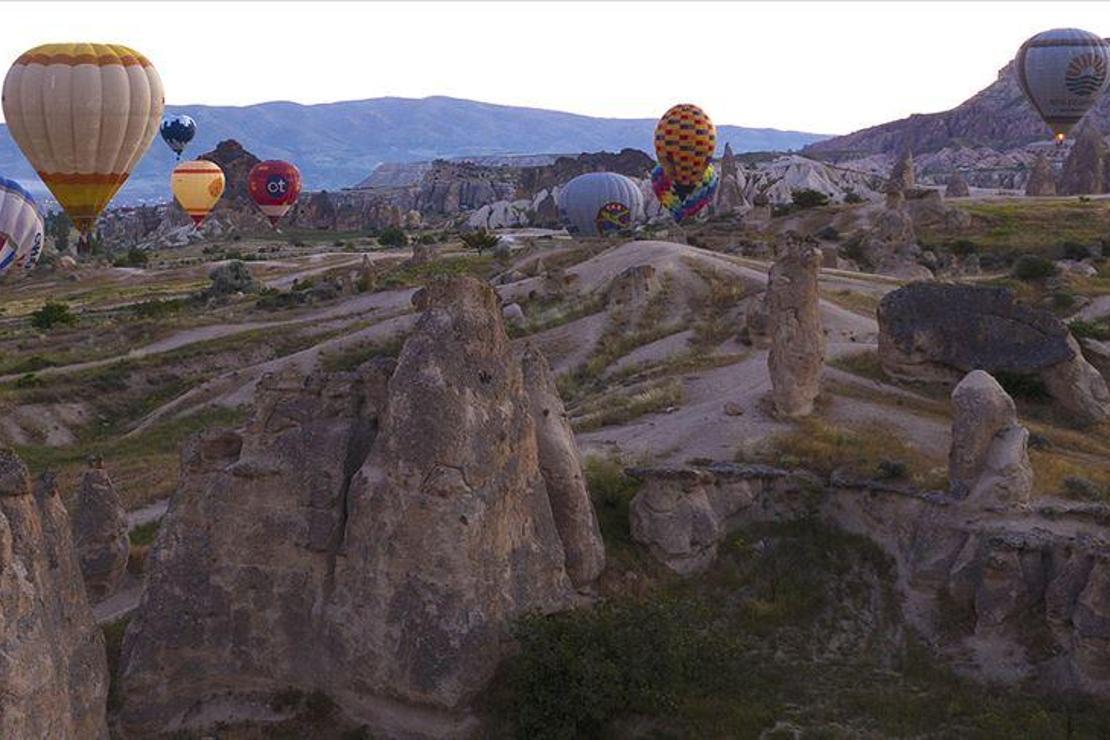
956,186
53,670
1085,168
100,534
369,535
514,314
935,332
797,353
1042,181
1097,353
988,460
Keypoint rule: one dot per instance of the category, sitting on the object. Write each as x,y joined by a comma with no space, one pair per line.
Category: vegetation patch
622,407
409,275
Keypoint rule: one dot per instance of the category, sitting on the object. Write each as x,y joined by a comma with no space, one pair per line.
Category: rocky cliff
53,671
367,535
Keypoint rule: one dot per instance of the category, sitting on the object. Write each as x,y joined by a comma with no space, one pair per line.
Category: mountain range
338,145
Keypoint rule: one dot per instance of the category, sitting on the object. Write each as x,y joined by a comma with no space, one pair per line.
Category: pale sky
824,67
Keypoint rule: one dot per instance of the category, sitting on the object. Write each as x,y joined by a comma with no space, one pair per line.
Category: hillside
997,117
338,144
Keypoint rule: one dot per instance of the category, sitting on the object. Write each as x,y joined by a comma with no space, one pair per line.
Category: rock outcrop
1042,180
729,197
934,332
368,535
797,353
100,534
53,671
988,461
956,187
1085,169
902,175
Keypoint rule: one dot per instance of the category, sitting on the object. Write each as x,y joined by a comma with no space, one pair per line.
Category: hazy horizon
848,65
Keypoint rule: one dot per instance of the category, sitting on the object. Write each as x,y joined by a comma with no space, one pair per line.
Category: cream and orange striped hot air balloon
197,185
83,114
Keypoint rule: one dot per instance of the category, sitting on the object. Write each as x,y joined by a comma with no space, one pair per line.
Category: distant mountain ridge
998,117
338,145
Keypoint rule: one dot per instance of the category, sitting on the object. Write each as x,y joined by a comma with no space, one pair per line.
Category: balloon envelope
177,132
83,114
685,140
600,203
21,227
1063,73
274,185
197,186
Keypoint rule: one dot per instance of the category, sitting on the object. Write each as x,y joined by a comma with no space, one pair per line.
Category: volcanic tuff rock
902,175
368,534
1085,170
53,673
1016,594
988,460
956,187
100,534
936,332
1042,180
797,352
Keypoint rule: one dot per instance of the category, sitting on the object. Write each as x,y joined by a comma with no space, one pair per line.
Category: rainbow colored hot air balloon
274,185
684,180
197,186
21,227
83,114
1063,73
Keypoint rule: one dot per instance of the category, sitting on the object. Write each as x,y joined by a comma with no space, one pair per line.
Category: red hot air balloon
274,186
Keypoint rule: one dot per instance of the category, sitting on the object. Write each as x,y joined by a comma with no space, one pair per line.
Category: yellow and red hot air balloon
83,114
197,186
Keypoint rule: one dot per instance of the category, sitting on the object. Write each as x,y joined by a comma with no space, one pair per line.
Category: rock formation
729,197
368,535
1042,181
100,534
956,186
902,174
988,460
934,332
797,353
1085,168
53,672
890,246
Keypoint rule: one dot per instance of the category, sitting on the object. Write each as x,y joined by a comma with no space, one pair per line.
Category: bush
1099,330
829,234
393,237
852,196
963,247
480,240
808,198
1083,489
234,277
156,308
1033,267
53,314
428,239
1076,251
134,257
1063,300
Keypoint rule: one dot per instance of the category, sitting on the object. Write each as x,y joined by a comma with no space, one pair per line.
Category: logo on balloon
1086,74
613,218
276,186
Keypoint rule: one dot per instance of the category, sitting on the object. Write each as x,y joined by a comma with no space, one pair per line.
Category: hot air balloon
684,180
197,186
177,132
600,203
1063,73
274,186
83,114
21,227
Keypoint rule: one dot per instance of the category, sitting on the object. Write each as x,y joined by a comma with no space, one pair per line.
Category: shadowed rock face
956,187
100,534
1041,181
938,332
1085,170
53,672
368,535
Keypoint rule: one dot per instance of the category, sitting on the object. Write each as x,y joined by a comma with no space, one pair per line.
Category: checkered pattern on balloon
683,208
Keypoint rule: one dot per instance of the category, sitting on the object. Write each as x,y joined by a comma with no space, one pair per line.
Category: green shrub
829,234
134,257
852,196
808,198
144,533
1063,300
29,380
963,247
480,240
1083,489
1033,267
1099,330
393,237
1075,251
53,313
157,308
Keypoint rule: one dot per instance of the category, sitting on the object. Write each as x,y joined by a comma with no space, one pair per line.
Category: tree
808,198
480,240
391,236
52,314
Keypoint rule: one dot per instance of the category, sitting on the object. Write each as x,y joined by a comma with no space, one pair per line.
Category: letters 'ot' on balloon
1063,73
21,227
274,186
83,114
600,203
197,186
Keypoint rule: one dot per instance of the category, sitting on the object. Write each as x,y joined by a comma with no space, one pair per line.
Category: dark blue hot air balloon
178,131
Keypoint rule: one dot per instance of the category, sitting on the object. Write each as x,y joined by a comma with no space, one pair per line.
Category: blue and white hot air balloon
600,204
177,132
1063,72
21,228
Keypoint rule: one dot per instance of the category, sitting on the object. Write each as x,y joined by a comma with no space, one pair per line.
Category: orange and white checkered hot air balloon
197,186
685,140
83,114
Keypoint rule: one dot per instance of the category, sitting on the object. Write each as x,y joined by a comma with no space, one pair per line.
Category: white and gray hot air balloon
1063,72
600,204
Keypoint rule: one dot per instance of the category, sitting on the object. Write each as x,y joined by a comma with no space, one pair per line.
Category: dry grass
1063,473
621,408
864,304
1032,226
